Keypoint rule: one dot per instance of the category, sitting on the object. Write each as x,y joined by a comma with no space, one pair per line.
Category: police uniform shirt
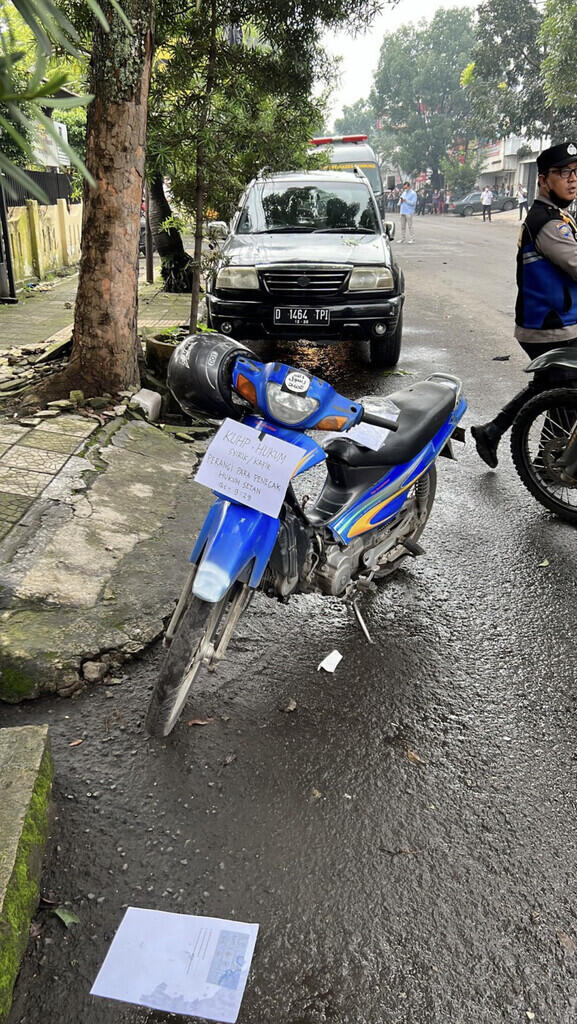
556,242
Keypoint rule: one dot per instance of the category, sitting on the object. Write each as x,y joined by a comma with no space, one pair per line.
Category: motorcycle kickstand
361,620
353,597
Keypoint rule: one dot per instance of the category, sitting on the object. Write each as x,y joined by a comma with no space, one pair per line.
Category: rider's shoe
487,437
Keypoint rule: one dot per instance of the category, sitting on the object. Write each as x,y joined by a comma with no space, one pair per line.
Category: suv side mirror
217,230
390,229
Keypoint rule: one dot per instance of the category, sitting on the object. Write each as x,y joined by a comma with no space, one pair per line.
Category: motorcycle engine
341,564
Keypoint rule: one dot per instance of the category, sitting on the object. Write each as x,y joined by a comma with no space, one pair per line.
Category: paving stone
5,528
50,441
75,426
10,433
20,457
3,448
23,481
13,506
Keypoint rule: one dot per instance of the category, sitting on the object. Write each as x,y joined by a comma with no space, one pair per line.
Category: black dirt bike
544,434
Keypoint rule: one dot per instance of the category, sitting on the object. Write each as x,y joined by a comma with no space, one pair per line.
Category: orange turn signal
247,389
331,423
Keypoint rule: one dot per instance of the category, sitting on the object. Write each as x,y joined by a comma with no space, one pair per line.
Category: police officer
546,308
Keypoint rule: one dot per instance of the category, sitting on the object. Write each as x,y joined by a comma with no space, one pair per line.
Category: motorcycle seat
424,407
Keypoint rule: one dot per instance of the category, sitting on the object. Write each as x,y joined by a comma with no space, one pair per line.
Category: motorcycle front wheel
200,638
540,434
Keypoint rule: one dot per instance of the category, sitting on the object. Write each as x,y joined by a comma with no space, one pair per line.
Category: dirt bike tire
197,628
428,480
561,405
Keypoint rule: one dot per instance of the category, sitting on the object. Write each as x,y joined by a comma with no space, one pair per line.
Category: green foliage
417,89
512,64
233,108
360,117
557,38
30,30
461,171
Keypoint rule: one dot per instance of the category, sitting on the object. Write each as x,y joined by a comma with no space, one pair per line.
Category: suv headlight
368,279
240,278
288,408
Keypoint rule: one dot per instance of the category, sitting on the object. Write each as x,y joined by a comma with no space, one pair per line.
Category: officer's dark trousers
504,419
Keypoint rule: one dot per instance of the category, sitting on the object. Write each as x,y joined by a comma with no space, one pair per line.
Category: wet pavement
406,837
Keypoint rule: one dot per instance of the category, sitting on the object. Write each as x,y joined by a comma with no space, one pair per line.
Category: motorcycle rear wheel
201,628
422,496
539,436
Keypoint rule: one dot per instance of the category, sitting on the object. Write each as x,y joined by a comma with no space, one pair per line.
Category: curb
25,802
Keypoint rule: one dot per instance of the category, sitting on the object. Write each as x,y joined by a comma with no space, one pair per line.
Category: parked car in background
471,204
308,256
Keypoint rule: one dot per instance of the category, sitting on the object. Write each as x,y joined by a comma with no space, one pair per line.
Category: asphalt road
406,837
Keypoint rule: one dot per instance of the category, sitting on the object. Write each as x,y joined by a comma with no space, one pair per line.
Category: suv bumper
253,318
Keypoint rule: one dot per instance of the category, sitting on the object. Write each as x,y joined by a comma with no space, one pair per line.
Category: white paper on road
331,661
249,466
178,962
366,434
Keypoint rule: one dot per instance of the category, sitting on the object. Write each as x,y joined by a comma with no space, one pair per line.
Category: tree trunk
176,264
199,189
105,348
202,126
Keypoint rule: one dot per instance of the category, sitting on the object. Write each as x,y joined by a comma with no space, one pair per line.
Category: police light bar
339,138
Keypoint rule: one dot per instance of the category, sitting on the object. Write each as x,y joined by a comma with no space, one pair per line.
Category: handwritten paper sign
249,466
196,966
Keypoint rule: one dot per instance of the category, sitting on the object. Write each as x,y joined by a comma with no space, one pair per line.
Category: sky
361,53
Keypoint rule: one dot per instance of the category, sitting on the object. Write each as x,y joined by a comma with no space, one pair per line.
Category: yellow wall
43,238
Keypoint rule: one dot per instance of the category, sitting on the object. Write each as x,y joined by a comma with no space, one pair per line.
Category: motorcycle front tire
195,637
558,408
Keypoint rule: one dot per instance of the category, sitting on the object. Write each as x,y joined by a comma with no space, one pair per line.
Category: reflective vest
547,295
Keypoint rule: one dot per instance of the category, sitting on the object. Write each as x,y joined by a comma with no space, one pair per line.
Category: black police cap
557,156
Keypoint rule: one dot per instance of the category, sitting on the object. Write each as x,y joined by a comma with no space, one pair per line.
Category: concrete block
25,802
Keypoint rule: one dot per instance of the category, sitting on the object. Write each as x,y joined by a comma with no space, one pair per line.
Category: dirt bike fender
233,538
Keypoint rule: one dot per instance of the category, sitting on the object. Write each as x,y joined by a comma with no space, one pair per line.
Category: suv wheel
468,211
508,205
385,352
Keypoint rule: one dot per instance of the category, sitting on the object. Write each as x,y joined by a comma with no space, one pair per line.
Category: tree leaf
67,916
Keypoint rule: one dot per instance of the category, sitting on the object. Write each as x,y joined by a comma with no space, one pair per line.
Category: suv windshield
307,206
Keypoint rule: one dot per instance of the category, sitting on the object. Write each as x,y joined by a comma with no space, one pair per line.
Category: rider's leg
488,435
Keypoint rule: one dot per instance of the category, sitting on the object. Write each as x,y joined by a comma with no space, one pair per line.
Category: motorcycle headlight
288,408
241,278
368,279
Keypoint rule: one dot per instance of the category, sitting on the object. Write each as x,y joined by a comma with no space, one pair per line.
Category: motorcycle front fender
234,542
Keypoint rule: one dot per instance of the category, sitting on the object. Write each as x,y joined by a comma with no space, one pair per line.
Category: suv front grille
301,280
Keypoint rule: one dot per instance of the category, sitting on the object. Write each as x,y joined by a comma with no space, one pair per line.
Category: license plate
301,316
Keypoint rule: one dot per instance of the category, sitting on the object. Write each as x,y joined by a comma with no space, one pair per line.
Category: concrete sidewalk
87,563
46,312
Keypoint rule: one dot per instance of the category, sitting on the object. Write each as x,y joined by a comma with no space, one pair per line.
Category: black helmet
200,374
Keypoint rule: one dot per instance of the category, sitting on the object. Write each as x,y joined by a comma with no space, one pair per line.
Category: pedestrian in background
408,205
522,201
546,307
486,202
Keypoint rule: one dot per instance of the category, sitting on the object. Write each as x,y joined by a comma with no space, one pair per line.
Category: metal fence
55,185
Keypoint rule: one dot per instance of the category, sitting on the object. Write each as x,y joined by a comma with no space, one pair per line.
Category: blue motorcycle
371,510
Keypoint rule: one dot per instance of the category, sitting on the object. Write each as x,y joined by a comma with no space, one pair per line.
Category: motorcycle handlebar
379,420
